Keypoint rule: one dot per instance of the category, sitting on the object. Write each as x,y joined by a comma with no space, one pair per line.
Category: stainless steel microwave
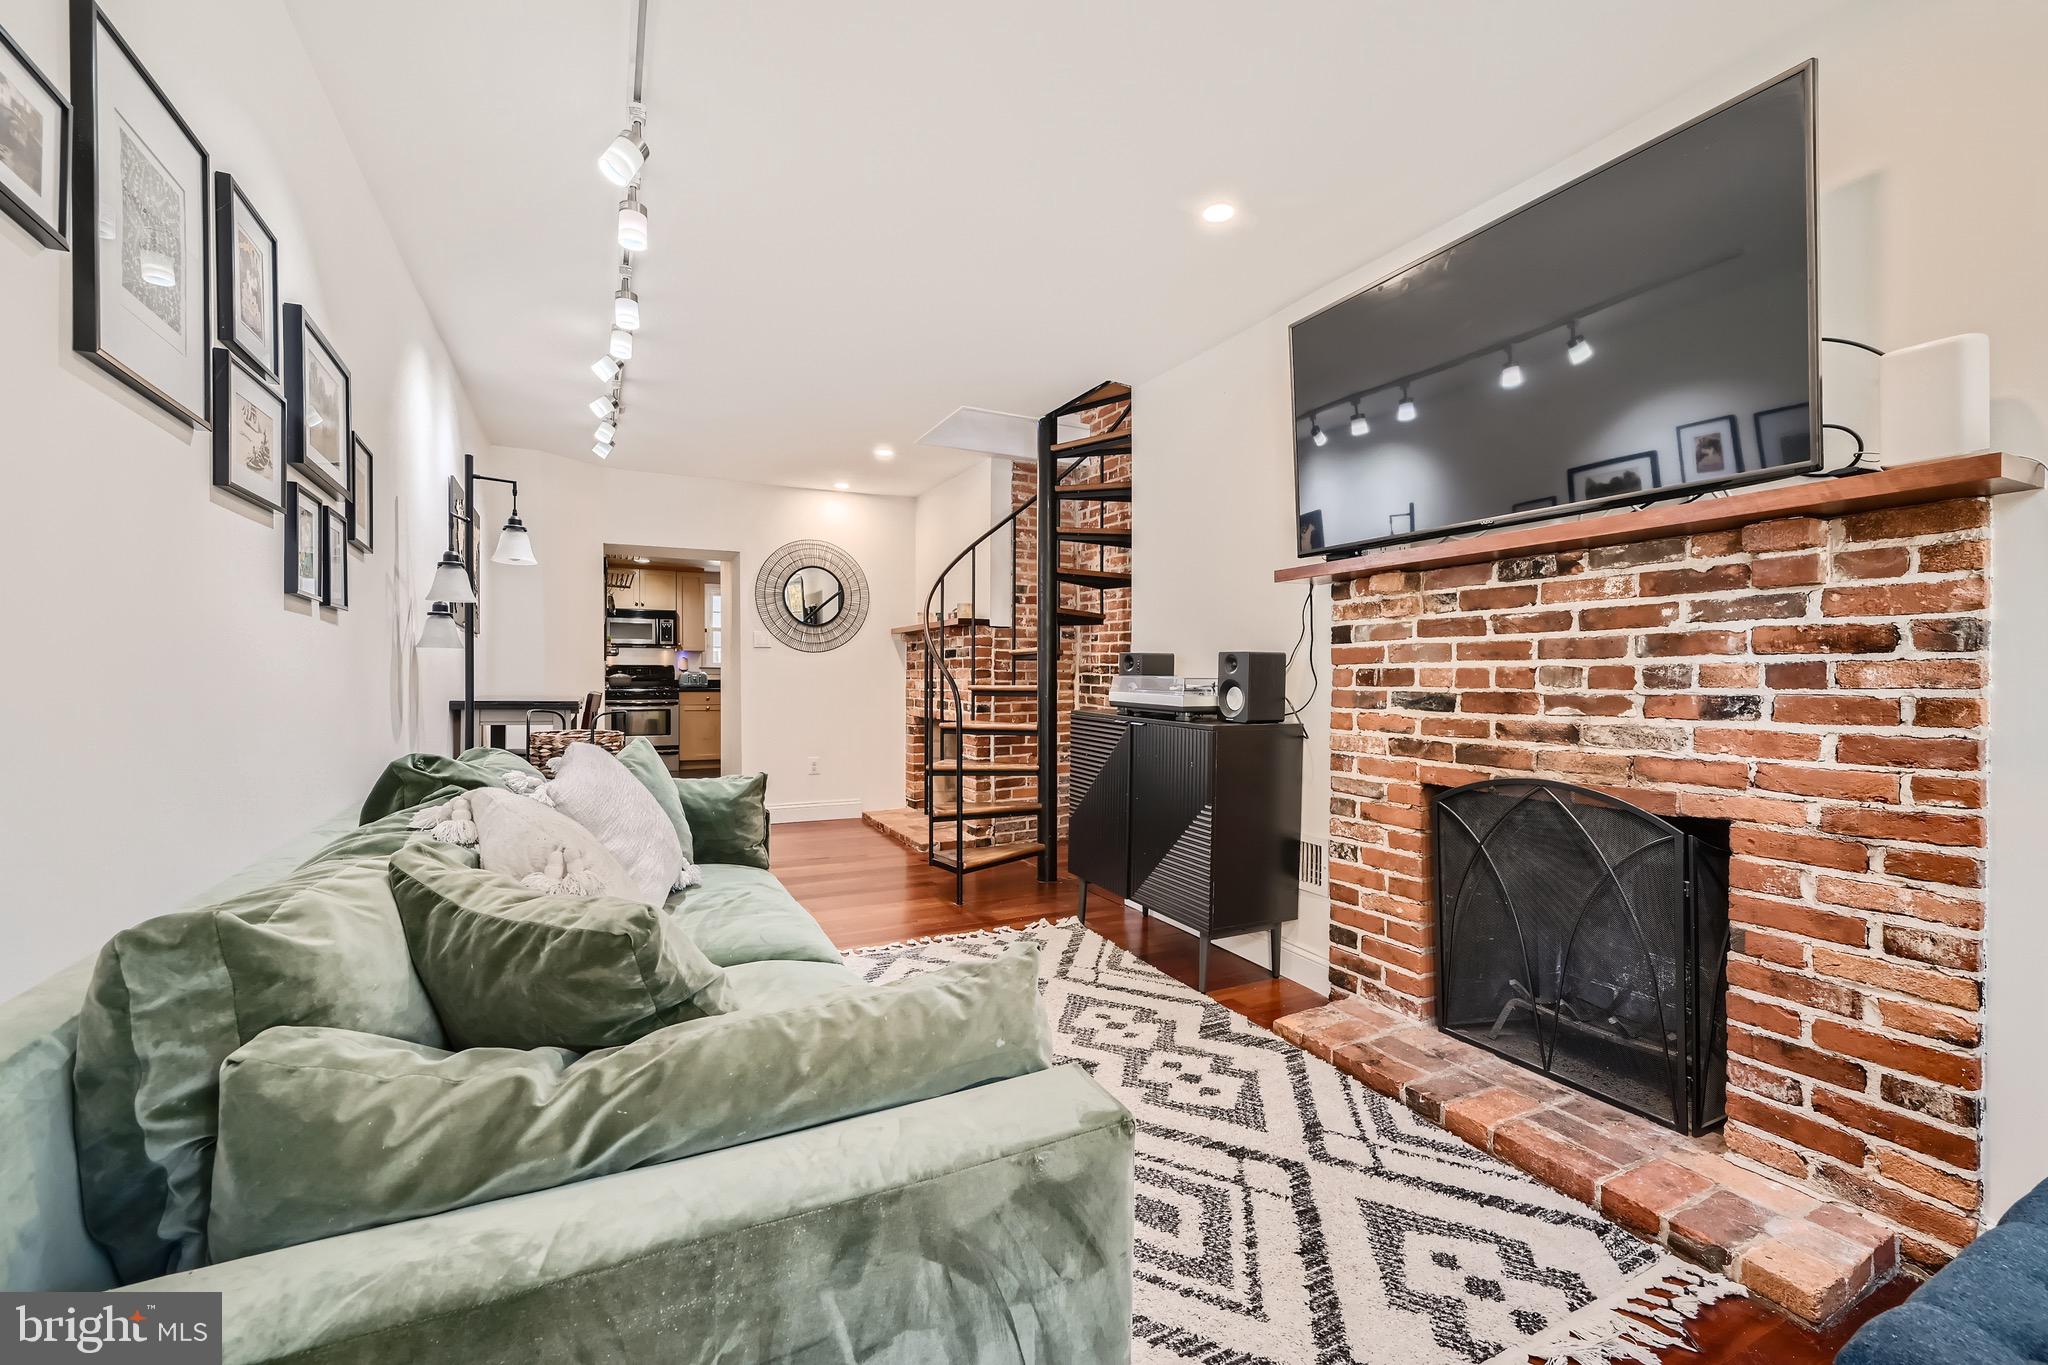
633,629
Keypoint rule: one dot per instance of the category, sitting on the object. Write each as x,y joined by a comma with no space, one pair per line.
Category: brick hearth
1812,1257
1816,681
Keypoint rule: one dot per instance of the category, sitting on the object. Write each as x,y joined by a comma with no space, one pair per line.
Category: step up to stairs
987,727
1095,578
1095,492
1093,537
1103,443
987,856
984,810
980,767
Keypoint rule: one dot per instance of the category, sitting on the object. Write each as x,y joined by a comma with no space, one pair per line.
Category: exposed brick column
1818,683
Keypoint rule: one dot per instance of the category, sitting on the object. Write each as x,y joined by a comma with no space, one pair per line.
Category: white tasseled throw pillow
544,850
599,793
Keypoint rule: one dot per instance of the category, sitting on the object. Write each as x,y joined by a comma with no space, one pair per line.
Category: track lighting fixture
602,408
1406,412
633,221
606,429
1510,373
1317,435
626,310
1580,350
1359,426
605,368
621,344
627,155
602,449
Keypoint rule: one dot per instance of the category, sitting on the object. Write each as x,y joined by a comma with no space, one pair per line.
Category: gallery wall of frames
175,294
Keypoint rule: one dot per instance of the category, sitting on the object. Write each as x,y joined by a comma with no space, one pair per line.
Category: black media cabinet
1198,821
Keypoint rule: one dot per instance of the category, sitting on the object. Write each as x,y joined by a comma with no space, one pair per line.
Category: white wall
172,714
782,707
1931,213
948,516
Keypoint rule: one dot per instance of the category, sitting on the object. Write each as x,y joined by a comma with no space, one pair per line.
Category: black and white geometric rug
1287,1214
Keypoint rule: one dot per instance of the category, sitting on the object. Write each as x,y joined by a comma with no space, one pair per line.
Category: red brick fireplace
1806,662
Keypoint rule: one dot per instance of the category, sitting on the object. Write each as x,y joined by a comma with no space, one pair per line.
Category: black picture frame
1803,428
300,455
299,507
362,496
1642,462
1535,504
226,366
230,205
88,330
55,235
333,559
1730,460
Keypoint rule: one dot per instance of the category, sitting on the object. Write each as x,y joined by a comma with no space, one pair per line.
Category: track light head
603,408
626,310
621,346
633,221
1405,412
627,155
1317,435
1511,373
1359,426
605,368
1580,350
607,429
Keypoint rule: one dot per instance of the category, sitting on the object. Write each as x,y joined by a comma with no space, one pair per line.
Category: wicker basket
544,746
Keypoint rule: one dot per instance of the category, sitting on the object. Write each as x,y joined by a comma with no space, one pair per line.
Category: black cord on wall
1314,683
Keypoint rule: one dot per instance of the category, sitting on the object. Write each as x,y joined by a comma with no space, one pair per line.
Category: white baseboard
1297,964
794,812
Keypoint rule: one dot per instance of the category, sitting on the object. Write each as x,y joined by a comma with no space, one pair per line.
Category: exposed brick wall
1817,683
1088,654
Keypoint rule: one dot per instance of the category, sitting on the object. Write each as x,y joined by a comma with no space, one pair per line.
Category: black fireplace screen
1586,939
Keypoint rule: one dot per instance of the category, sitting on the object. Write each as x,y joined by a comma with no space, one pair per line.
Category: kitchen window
714,628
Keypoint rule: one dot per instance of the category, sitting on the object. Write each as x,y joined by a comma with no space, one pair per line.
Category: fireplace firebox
1587,939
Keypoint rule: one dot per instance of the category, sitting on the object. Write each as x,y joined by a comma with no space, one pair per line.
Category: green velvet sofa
990,1224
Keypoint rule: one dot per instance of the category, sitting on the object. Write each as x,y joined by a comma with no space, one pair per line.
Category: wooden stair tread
983,809
1105,443
977,767
1101,492
984,857
1080,537
1069,616
989,727
1096,578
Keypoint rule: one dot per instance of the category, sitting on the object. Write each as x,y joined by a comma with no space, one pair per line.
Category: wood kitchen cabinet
652,590
697,730
690,612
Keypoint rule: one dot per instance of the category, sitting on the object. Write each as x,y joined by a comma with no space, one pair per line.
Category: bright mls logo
167,1329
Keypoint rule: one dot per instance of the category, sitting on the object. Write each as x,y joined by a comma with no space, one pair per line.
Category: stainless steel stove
646,702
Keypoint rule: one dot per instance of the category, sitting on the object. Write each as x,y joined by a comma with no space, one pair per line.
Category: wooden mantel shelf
1955,476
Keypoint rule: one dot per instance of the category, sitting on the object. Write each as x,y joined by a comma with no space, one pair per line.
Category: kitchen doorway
671,673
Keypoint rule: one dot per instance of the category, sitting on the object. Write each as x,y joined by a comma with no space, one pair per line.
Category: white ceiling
866,215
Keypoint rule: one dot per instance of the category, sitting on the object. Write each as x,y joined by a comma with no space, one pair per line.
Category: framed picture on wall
248,432
1709,449
35,148
245,313
302,558
1622,475
1783,436
362,498
141,270
333,559
318,404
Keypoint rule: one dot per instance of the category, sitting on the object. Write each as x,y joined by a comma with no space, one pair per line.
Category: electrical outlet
814,767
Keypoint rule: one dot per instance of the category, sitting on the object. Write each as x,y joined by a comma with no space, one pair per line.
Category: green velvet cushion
399,1131
410,780
644,762
512,967
779,985
172,997
743,914
383,836
728,817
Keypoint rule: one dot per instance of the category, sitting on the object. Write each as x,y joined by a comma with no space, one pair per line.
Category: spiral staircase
991,698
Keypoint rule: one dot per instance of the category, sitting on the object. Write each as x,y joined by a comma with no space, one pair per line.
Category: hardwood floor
866,889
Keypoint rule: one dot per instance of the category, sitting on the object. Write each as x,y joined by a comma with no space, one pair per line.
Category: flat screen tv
1647,331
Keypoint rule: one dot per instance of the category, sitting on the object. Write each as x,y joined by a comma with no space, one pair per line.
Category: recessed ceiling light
1219,213
885,453
842,485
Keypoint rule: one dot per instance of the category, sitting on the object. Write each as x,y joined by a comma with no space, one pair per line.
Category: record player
1164,695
